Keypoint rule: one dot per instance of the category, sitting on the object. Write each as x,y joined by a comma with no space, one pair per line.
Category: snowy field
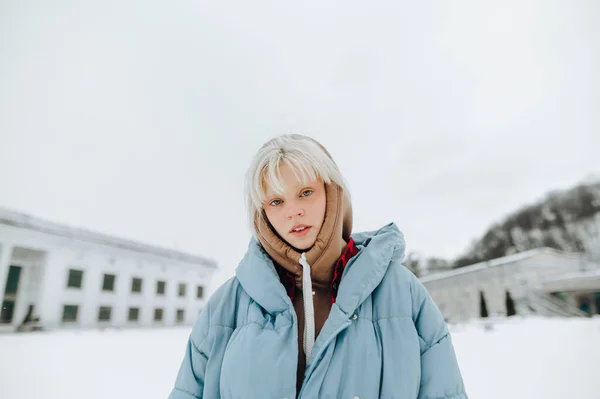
528,359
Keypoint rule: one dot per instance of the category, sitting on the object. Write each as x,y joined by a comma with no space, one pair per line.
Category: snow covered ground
528,359
531,358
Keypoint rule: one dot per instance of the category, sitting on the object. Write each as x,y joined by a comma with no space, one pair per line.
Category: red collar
288,279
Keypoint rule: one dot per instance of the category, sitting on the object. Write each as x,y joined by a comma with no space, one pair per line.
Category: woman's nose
295,212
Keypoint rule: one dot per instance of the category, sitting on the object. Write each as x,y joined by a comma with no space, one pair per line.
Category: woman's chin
301,245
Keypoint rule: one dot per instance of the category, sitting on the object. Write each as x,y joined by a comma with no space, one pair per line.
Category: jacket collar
365,271
257,275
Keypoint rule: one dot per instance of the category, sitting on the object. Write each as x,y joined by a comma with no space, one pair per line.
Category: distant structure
541,281
422,266
56,276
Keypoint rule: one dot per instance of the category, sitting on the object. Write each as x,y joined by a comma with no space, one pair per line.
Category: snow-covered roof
496,262
25,221
574,276
584,280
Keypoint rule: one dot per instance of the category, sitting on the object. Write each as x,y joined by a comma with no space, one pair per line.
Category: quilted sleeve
190,378
440,373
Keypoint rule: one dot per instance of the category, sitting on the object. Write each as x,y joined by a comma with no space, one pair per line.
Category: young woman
313,310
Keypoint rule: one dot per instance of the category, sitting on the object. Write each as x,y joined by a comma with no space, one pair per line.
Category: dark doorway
585,304
10,294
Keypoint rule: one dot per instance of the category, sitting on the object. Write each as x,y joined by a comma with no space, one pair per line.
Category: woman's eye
304,193
275,202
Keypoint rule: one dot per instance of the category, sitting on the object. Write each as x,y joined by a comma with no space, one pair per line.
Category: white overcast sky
139,118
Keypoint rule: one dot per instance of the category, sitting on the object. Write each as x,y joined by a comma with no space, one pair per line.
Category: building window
75,278
180,315
158,314
134,314
160,288
136,284
70,313
200,292
181,290
109,282
104,313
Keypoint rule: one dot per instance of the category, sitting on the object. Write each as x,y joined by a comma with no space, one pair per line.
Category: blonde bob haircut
307,159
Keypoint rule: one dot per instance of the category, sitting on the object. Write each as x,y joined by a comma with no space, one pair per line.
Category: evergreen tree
510,305
558,221
483,312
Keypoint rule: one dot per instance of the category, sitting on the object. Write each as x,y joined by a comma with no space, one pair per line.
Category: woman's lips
301,232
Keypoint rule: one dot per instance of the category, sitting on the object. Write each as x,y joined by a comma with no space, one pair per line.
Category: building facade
73,278
523,279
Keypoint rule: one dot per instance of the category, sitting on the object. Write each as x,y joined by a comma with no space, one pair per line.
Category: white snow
520,358
530,358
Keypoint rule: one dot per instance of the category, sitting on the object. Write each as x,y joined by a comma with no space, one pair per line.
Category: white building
525,277
71,277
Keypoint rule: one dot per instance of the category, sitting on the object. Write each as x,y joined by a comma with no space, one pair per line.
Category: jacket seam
205,336
458,395
433,344
196,347
262,325
244,325
221,325
391,318
427,346
186,392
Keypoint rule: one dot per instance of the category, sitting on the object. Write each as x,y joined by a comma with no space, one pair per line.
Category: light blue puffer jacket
384,337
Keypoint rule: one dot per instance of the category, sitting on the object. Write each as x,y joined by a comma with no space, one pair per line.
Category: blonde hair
307,159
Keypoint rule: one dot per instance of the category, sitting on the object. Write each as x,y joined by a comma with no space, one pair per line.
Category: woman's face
298,214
